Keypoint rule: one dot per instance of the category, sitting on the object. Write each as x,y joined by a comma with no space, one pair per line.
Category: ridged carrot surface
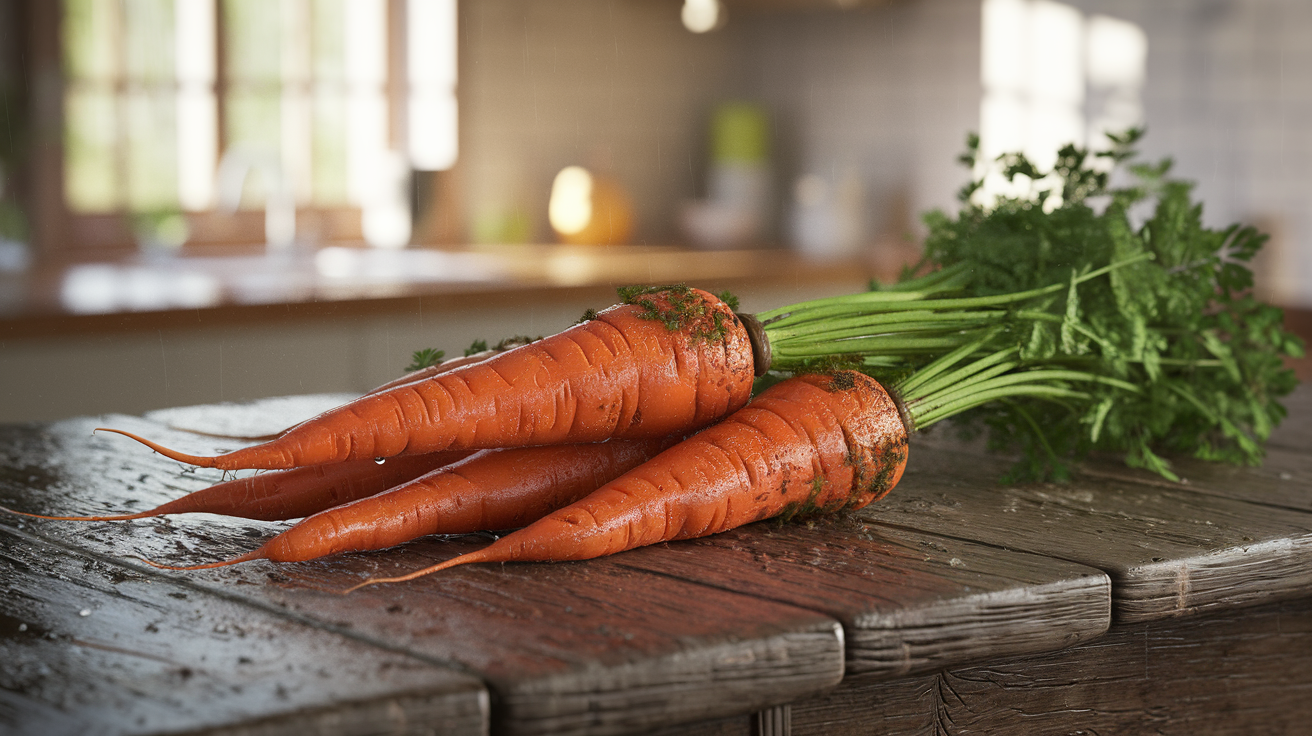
618,375
810,444
490,490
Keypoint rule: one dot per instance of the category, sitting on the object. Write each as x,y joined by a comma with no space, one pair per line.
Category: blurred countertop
156,291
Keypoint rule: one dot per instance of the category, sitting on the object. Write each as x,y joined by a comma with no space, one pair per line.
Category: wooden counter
130,337
1118,603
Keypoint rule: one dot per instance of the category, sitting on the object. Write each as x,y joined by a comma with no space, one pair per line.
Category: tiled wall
891,92
887,93
615,85
1229,96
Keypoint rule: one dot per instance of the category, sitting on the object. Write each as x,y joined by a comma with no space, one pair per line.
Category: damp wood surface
1169,549
1222,673
951,573
89,646
567,648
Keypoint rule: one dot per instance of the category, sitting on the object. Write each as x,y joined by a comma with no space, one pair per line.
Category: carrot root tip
112,517
256,555
182,457
465,559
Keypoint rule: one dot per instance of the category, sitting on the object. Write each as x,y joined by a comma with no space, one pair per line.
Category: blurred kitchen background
219,200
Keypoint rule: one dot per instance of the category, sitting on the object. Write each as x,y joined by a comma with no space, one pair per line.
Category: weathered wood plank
1284,479
908,602
87,646
1168,551
1295,432
1225,672
569,648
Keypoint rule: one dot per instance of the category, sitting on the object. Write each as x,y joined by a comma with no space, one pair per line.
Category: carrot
492,489
666,364
289,494
810,444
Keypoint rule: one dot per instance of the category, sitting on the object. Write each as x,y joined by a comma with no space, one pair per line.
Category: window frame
61,234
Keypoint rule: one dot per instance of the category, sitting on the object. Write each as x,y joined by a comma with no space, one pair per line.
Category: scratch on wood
1182,587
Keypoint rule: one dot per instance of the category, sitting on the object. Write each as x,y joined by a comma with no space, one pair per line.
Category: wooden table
1118,603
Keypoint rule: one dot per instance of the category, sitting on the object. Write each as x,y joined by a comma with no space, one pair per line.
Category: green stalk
912,322
927,417
942,364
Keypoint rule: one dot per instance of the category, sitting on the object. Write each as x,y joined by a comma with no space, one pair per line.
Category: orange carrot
667,364
810,444
290,494
492,489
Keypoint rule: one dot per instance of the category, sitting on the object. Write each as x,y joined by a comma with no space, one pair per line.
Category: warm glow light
570,207
700,16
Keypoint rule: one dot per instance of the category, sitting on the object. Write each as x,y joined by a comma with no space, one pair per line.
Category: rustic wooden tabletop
1119,602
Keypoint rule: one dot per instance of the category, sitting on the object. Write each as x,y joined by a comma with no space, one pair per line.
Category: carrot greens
1111,316
1174,353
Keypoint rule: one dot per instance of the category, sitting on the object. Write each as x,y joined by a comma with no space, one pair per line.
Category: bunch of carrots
638,425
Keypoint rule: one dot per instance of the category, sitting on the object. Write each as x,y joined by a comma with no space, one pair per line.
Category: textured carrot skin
619,376
298,492
811,444
490,490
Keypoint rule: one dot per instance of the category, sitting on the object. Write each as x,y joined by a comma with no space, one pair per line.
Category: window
179,110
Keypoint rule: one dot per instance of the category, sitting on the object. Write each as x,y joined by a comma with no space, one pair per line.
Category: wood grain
89,646
1168,551
908,602
569,648
1226,672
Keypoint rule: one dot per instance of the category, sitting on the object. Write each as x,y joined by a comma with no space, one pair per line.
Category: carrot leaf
426,358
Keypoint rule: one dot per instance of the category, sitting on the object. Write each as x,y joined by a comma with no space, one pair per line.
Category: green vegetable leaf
426,358
1174,320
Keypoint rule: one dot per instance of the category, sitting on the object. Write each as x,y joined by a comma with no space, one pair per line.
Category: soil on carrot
681,308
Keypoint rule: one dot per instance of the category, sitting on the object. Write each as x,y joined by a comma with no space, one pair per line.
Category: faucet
279,205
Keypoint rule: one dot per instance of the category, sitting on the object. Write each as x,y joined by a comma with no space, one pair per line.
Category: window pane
90,37
328,64
148,41
254,121
329,18
90,180
151,150
330,148
252,41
